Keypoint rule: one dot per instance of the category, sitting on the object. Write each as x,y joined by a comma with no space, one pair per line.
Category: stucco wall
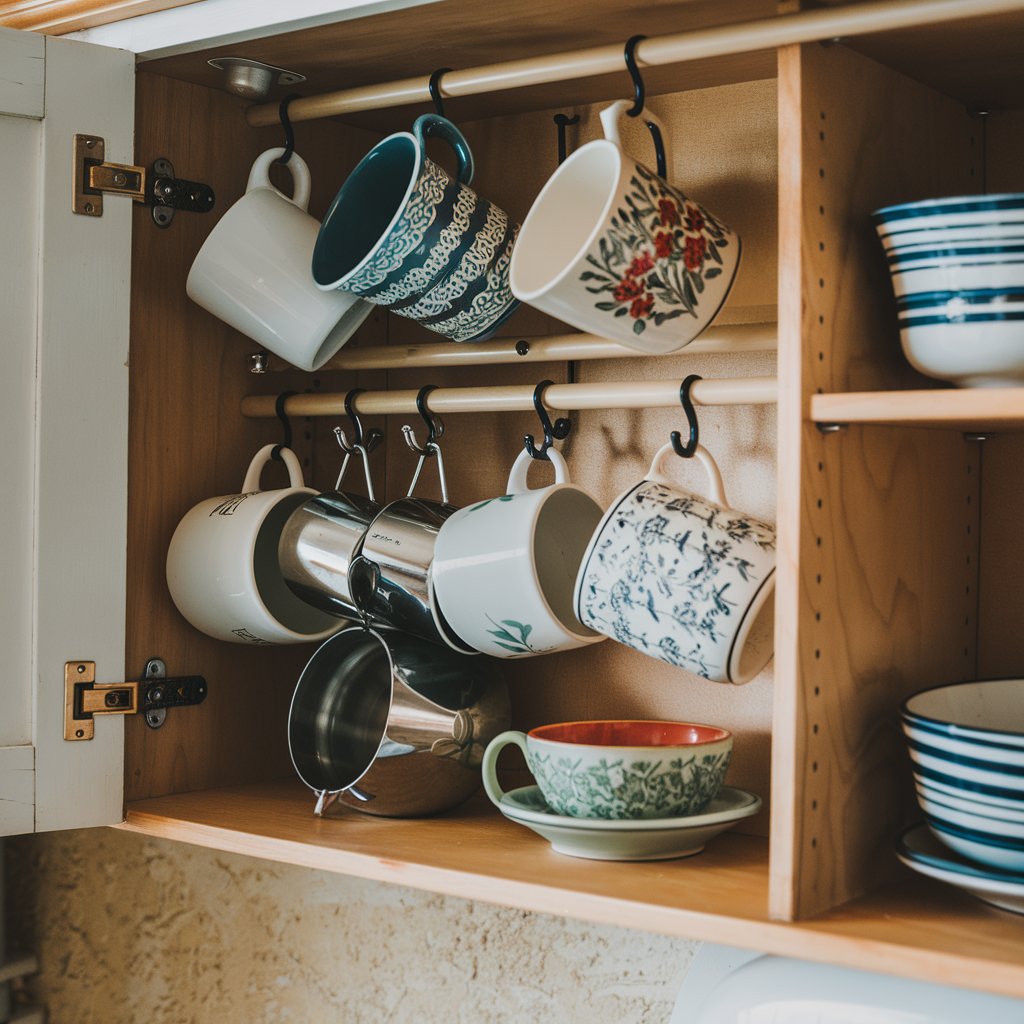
138,931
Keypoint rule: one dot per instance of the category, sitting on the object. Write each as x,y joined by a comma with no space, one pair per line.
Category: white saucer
922,852
628,839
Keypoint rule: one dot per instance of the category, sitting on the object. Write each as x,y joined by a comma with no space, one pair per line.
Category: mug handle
251,483
429,126
259,176
703,456
521,467
488,767
659,133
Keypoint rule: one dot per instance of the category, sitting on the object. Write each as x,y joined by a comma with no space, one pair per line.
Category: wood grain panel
878,527
920,929
57,17
724,142
467,33
188,442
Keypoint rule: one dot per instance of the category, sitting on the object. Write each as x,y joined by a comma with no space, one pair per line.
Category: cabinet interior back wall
193,442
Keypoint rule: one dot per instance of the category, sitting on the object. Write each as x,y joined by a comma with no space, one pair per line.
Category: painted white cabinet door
64,305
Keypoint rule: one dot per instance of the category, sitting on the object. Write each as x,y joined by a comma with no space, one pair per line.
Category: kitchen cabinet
897,547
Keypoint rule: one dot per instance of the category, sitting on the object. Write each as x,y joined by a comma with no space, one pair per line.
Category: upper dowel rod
718,41
662,394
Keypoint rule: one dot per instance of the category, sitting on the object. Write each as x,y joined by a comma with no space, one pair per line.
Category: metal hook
639,95
366,439
286,423
559,431
435,425
434,85
634,72
289,131
563,121
688,450
349,451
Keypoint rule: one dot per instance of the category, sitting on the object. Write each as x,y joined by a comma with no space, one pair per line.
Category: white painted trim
17,791
81,437
22,73
226,23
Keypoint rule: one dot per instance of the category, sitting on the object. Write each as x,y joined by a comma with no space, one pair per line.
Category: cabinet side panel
188,441
878,527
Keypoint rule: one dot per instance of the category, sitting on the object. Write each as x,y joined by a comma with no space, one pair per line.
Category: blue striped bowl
957,270
966,741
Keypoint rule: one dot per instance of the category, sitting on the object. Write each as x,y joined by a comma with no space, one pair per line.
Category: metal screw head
79,733
89,143
258,362
80,669
120,178
89,207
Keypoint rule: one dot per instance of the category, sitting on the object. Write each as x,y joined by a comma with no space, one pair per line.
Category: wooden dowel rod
613,395
746,37
559,347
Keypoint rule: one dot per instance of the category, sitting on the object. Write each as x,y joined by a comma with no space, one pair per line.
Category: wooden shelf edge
911,932
948,408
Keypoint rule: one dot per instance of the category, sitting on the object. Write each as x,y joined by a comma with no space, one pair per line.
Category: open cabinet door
64,305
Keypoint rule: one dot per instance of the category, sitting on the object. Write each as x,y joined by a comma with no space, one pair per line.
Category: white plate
922,852
621,839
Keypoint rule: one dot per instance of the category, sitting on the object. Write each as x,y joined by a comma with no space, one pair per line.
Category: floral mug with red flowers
613,249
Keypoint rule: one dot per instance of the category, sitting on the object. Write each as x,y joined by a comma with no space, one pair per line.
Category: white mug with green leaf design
612,248
504,568
620,768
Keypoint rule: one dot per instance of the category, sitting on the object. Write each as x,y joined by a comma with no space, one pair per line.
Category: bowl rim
937,205
916,716
722,734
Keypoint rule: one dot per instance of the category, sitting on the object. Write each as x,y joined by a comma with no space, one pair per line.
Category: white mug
222,565
253,272
504,568
682,578
613,249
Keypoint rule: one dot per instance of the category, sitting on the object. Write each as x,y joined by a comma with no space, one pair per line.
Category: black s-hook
434,86
365,439
289,131
286,424
558,431
563,121
435,425
688,450
639,95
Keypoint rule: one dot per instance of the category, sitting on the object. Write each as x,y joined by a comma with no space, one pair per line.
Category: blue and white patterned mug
682,578
403,234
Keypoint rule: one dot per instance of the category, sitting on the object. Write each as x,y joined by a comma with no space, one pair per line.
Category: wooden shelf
953,409
921,929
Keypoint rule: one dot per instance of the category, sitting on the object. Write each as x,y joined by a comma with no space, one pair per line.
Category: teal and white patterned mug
619,769
405,235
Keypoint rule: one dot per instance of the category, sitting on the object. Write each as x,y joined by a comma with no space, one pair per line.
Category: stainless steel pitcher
392,724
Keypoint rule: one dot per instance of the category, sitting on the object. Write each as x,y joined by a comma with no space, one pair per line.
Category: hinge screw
120,178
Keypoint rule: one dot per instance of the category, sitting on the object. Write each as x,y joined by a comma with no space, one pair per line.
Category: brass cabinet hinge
157,186
84,698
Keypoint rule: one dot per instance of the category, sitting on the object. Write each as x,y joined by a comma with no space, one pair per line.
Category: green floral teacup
619,769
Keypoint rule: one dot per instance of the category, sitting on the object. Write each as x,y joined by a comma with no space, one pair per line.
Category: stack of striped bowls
957,268
967,744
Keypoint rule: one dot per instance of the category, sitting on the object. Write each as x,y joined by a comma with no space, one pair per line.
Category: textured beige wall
139,931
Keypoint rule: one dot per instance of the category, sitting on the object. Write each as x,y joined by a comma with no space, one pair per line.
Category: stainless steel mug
322,538
393,725
391,579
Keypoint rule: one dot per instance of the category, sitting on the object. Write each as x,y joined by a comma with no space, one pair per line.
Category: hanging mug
613,249
222,566
322,538
403,235
504,567
253,272
681,577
